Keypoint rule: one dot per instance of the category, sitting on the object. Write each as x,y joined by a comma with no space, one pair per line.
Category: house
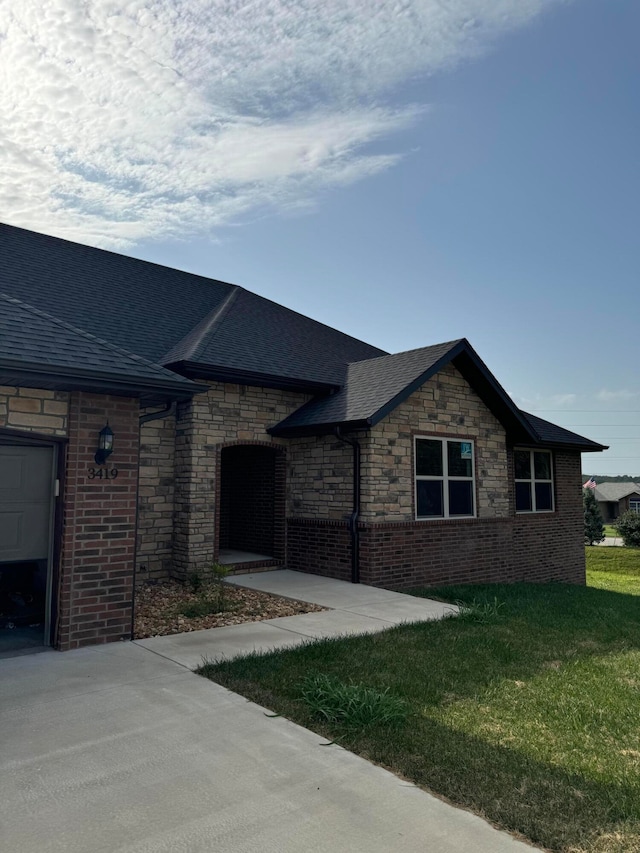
153,421
614,499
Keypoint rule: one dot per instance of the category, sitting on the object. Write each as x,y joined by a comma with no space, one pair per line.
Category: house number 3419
103,473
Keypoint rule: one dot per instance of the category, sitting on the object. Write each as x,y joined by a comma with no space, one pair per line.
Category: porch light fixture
105,444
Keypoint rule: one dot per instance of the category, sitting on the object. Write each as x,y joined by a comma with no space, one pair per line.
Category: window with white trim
444,478
634,505
534,480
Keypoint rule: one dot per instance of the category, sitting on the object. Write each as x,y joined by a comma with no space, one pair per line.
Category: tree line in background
607,478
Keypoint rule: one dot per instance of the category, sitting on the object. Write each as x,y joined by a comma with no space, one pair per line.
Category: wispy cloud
609,396
543,402
126,119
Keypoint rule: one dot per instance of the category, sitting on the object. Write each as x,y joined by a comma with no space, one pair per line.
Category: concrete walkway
611,541
115,749
352,609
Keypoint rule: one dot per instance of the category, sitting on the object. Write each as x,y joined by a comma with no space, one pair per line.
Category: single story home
153,421
614,499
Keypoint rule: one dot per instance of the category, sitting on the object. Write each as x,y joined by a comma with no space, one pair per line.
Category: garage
27,489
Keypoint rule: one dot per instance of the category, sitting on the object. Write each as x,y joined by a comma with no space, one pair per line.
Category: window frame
533,480
634,505
445,479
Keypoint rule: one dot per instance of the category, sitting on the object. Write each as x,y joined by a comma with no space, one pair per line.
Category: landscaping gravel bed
158,608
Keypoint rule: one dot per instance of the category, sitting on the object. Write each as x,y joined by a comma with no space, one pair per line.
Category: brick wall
551,546
156,498
321,547
96,572
34,409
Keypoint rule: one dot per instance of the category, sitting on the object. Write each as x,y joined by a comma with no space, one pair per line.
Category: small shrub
201,607
210,588
352,705
218,574
628,526
194,579
478,610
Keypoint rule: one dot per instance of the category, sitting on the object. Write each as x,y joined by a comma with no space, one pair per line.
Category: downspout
155,416
168,411
353,518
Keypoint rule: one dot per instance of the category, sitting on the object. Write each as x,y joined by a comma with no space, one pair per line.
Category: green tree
593,523
628,526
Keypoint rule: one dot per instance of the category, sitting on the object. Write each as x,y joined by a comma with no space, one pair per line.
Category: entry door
25,503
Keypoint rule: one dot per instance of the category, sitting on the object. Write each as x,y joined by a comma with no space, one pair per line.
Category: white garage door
25,502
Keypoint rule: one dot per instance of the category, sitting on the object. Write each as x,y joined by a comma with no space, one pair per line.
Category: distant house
614,499
232,429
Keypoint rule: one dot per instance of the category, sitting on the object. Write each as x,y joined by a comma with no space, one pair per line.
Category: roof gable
616,491
375,387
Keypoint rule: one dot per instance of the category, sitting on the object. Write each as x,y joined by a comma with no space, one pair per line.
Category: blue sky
408,172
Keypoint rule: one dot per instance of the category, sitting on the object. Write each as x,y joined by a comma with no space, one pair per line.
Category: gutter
168,411
355,514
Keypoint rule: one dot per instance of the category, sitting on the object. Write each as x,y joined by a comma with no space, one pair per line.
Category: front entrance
251,511
26,503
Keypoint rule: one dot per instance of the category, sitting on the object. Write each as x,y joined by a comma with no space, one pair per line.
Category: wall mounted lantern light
105,444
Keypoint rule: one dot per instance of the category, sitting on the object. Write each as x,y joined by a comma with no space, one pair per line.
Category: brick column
98,546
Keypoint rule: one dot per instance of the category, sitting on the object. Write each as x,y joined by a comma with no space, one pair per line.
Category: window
534,480
634,505
445,483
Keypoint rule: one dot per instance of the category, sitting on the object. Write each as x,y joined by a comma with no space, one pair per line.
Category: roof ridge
25,306
113,253
449,344
203,330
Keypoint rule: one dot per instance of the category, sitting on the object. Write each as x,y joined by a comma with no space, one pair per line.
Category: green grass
609,530
615,569
525,710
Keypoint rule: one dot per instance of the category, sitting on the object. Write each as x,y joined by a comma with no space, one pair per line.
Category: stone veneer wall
444,406
34,409
320,478
156,498
227,414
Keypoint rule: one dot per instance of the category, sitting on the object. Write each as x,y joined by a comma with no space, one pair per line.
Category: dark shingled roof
371,387
168,316
251,334
550,433
376,386
32,341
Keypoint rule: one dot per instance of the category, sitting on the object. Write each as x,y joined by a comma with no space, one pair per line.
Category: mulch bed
158,606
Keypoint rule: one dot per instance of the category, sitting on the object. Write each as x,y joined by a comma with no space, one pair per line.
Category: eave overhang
65,378
236,376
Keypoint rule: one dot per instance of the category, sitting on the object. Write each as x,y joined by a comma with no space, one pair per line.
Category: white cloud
544,402
608,396
124,119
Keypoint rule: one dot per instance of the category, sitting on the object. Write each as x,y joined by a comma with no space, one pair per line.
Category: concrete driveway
117,748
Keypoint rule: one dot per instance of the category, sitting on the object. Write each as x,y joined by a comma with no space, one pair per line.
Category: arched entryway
251,504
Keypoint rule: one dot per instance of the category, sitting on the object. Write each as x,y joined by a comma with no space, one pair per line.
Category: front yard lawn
526,709
617,569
